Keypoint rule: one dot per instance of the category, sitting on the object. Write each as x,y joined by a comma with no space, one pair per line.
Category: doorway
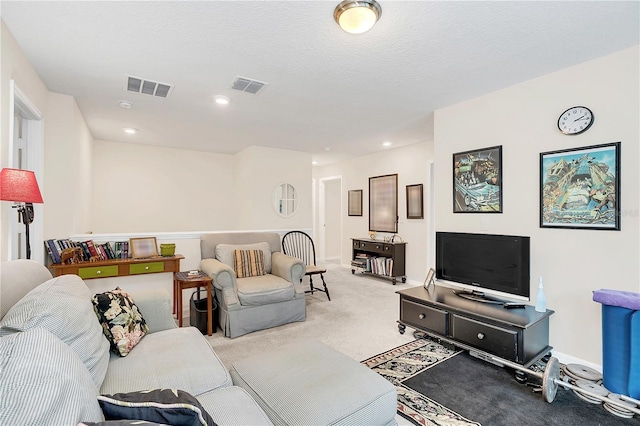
26,152
330,219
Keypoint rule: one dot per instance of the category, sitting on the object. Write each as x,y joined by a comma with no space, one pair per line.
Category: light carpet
359,321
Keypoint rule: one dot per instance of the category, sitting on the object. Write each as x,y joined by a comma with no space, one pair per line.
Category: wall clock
575,120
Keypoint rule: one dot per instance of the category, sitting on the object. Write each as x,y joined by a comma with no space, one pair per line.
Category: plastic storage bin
198,312
620,341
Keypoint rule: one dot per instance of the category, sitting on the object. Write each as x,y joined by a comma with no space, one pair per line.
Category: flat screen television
484,266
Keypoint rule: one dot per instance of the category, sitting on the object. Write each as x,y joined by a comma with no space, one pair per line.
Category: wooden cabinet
391,263
518,335
119,267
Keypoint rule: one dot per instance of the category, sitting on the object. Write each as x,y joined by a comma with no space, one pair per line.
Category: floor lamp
21,187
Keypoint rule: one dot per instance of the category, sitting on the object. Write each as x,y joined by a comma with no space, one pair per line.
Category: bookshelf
382,259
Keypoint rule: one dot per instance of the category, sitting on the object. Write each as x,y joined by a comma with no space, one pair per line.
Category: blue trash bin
620,341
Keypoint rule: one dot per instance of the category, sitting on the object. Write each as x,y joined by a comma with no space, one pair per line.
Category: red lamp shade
19,185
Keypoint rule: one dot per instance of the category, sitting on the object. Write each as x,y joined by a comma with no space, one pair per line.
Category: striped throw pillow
248,263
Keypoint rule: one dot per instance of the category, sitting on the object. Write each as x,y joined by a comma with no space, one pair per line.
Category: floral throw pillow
121,320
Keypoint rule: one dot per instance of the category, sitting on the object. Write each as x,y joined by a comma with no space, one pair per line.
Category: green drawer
98,271
146,268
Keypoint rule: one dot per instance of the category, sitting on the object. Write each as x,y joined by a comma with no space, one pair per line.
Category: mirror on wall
285,199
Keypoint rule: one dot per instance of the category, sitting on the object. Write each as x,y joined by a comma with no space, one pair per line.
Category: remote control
513,305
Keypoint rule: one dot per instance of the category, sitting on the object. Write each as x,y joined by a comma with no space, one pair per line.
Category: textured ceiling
327,88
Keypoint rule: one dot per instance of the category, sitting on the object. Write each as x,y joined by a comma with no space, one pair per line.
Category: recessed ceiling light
314,162
130,130
221,100
386,143
327,148
125,104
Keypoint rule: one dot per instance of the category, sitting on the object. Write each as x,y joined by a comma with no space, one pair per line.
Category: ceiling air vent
248,85
148,87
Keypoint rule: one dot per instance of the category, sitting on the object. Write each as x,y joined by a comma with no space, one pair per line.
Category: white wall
258,171
68,172
411,165
523,120
141,188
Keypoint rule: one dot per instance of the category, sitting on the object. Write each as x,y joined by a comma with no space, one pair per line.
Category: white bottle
541,300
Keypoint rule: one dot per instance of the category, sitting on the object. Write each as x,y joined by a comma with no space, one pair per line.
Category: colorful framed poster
477,181
580,188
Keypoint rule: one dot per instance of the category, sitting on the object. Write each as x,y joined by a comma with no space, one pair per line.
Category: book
92,248
52,249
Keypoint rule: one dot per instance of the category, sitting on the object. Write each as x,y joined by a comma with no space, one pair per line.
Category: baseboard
568,359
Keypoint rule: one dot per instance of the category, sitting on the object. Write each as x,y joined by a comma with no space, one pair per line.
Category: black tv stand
517,335
478,296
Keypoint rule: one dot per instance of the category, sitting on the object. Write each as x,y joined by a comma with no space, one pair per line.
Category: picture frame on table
429,281
477,181
143,247
580,188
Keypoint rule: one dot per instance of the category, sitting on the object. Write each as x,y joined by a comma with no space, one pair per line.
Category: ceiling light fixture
222,100
125,104
130,130
314,162
357,16
386,143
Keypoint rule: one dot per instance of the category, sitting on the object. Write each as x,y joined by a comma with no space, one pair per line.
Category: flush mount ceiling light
221,100
130,130
125,104
357,16
386,143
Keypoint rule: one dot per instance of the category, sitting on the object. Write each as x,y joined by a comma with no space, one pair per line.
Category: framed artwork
383,203
580,188
143,247
414,202
355,202
477,181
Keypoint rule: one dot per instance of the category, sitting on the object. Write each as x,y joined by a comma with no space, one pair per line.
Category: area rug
406,361
463,390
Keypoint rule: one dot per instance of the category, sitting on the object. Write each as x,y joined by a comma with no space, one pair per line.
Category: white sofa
55,360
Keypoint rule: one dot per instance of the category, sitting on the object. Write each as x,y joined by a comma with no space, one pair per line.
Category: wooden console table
119,267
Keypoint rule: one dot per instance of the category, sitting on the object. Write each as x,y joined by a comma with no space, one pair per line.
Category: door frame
19,103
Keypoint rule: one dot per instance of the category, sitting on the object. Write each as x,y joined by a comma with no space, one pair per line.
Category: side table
184,280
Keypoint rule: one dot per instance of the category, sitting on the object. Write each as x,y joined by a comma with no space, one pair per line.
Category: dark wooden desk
182,281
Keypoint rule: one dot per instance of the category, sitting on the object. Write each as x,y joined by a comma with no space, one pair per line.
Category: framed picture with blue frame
580,188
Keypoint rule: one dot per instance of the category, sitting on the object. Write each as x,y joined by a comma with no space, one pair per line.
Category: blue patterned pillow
121,320
166,406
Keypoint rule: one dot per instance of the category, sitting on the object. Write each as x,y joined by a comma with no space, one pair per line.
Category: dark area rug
440,386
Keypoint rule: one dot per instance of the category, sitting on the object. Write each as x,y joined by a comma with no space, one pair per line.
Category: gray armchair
257,302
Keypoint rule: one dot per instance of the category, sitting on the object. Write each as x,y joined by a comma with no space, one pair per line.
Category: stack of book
362,261
90,249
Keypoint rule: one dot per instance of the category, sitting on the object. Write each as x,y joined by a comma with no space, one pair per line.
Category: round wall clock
575,120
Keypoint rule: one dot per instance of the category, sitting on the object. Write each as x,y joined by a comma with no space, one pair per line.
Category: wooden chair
299,244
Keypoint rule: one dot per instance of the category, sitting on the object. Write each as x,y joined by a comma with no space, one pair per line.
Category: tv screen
496,264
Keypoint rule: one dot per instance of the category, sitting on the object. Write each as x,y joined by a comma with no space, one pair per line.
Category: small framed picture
428,282
414,202
355,202
143,247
